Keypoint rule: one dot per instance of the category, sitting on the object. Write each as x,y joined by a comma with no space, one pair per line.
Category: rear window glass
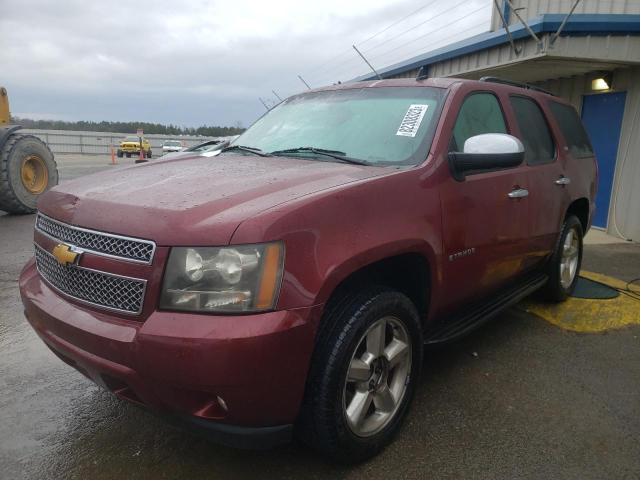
536,137
572,130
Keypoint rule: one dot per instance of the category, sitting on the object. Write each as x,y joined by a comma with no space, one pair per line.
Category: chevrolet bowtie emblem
65,254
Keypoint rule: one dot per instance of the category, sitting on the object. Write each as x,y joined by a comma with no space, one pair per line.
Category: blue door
602,117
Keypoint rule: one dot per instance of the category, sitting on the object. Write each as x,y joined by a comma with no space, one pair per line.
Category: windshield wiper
255,151
337,154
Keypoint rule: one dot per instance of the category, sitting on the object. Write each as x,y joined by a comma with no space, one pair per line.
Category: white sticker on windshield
412,120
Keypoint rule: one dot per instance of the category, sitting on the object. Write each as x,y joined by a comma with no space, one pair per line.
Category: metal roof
577,25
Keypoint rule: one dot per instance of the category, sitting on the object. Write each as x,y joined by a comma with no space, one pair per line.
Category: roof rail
526,86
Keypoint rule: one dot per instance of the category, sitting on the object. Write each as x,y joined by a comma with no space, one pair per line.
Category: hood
192,200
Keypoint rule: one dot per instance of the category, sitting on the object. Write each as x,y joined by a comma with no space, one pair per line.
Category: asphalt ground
75,165
520,398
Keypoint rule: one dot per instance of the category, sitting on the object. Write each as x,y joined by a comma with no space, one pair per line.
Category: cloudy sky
194,62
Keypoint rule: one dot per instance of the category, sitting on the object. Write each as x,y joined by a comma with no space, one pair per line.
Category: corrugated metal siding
612,48
483,59
533,8
571,89
408,74
608,50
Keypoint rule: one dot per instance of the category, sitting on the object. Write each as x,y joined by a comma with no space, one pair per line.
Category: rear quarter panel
583,171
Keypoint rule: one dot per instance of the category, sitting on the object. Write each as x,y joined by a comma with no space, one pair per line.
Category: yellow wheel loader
27,166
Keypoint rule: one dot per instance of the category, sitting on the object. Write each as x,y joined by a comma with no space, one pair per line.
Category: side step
452,328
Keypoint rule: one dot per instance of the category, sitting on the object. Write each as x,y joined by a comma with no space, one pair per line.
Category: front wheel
363,374
564,265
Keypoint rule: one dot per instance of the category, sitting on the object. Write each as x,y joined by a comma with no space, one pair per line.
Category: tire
18,149
120,154
559,287
149,154
128,155
330,396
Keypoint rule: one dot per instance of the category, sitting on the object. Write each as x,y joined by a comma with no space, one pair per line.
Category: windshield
381,126
172,143
132,138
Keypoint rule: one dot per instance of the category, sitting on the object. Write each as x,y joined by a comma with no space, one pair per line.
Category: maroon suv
290,284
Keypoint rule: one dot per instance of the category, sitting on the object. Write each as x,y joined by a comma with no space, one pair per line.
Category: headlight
243,278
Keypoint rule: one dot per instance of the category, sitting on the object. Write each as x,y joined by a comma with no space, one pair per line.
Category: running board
452,328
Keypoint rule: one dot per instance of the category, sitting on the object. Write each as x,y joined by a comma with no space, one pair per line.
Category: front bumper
132,149
239,378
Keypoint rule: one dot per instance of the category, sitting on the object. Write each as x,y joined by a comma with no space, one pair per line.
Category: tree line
128,127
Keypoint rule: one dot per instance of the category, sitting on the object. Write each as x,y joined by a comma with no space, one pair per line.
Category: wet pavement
520,398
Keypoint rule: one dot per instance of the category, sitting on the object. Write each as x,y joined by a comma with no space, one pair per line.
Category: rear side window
572,130
480,113
536,137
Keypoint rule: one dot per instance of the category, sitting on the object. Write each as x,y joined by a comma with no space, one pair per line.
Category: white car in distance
169,146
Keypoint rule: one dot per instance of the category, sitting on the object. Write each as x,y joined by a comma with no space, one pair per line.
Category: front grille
113,292
107,244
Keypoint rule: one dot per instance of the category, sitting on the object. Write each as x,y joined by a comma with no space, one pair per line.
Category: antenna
278,96
422,73
265,105
367,62
302,80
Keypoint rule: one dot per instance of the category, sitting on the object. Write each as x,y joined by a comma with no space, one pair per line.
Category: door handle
563,181
518,193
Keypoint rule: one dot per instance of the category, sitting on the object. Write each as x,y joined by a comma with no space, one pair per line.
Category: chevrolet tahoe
289,287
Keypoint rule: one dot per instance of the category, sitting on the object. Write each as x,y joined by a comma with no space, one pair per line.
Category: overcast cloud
198,62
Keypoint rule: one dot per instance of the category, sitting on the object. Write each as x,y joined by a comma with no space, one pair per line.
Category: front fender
334,233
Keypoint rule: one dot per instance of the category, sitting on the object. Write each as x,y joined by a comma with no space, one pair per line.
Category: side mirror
486,152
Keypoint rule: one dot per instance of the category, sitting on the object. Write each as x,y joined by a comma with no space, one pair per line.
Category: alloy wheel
377,377
569,259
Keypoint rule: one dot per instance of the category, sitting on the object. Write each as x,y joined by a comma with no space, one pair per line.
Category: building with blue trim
590,56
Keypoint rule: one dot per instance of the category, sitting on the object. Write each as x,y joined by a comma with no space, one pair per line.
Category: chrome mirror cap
493,143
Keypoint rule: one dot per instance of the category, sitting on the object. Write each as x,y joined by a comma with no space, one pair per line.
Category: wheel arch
408,269
580,208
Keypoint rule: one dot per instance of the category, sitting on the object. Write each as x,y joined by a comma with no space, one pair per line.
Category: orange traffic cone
141,154
113,156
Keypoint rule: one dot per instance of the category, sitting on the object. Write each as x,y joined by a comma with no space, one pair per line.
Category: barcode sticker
412,120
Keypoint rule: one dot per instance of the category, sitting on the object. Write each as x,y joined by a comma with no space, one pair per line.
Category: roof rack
526,86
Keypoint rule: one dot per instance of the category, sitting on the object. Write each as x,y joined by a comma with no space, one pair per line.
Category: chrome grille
113,292
106,244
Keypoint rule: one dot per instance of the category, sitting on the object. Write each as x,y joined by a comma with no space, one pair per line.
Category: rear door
485,230
548,193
